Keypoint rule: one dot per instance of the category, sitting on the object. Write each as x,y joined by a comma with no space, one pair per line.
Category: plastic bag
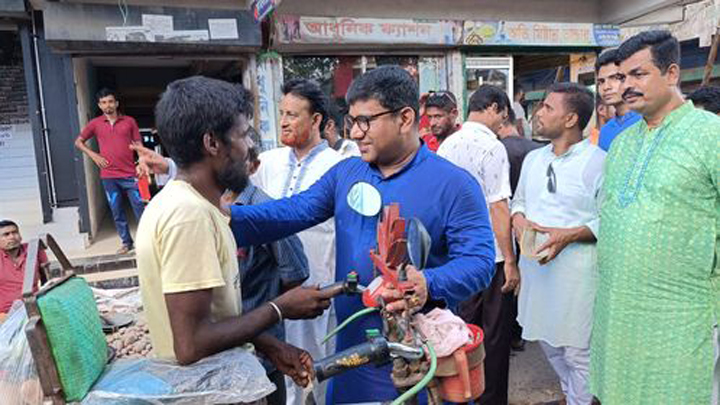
19,383
446,331
121,300
233,376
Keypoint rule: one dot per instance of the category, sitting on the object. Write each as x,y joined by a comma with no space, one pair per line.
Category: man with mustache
659,287
186,253
441,111
287,171
13,256
609,80
395,167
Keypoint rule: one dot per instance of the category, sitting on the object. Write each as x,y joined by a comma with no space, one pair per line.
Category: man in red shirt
441,112
115,133
13,254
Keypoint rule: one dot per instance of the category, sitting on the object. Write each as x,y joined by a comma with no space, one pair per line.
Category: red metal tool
389,257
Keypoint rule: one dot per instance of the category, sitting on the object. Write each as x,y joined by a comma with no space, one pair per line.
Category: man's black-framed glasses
363,121
552,180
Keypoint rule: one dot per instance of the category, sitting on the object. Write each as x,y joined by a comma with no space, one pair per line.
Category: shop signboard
294,29
322,30
519,33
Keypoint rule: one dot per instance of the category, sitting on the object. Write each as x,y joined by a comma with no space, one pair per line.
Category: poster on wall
136,33
158,23
317,30
223,28
184,36
157,28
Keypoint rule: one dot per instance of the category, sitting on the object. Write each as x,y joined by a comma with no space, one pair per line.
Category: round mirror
419,243
364,199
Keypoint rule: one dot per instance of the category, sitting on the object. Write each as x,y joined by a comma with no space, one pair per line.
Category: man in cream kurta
287,171
558,196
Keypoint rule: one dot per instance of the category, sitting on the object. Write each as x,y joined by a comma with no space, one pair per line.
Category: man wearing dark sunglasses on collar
394,168
558,197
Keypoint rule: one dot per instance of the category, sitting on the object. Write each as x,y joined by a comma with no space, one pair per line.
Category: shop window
496,71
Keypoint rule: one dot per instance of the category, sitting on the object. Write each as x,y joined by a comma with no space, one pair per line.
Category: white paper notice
223,28
137,33
183,36
158,23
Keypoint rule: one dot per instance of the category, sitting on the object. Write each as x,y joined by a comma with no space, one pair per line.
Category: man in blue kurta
395,167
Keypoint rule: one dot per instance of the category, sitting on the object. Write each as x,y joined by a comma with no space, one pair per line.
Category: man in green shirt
657,306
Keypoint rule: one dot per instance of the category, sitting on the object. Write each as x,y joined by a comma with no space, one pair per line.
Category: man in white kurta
287,171
557,195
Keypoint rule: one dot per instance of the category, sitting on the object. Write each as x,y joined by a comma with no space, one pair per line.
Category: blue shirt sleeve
471,249
289,255
607,134
270,221
291,260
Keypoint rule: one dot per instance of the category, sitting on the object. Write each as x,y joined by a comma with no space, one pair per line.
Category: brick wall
13,95
19,184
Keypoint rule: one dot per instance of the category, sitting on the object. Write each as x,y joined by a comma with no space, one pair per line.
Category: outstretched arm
267,222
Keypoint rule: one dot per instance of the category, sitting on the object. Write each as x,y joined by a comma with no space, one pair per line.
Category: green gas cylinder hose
350,319
431,351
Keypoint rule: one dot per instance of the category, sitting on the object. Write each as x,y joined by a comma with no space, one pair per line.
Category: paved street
532,380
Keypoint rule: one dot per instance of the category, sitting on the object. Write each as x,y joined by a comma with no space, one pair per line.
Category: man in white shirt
476,148
558,197
287,171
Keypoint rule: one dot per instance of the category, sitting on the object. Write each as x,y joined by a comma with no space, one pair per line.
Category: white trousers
572,366
308,335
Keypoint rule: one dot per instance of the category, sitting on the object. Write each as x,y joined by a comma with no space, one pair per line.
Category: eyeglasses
552,180
363,121
442,94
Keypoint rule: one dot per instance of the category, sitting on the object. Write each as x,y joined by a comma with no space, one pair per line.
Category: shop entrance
139,82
